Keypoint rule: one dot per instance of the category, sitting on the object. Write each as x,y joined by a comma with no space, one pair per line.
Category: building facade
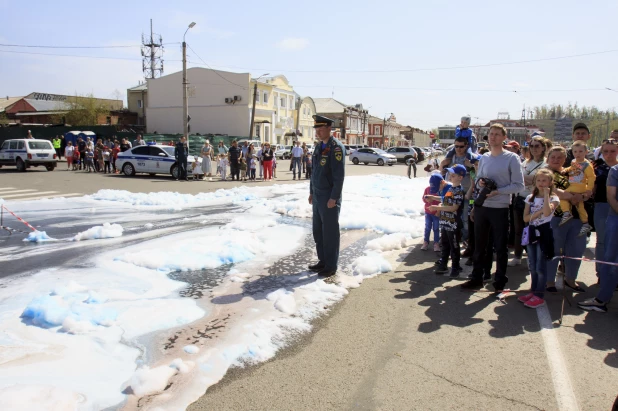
515,130
384,132
305,120
43,108
353,118
137,99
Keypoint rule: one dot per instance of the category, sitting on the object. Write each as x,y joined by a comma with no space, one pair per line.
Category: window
377,130
13,145
140,104
304,110
257,96
5,146
38,145
265,98
141,151
155,151
257,131
282,101
403,150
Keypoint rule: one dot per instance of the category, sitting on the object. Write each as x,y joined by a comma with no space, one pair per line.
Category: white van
256,143
26,153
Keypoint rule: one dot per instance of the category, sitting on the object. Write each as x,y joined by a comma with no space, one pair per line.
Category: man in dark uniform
181,152
325,196
234,155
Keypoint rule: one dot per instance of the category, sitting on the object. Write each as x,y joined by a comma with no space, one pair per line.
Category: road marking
16,191
563,389
6,188
28,194
50,197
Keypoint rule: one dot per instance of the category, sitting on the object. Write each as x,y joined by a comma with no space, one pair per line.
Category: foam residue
38,237
106,230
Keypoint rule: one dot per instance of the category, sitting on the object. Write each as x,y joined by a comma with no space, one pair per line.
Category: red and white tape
19,218
590,260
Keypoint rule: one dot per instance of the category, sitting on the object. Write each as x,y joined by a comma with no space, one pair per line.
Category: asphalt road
38,183
405,340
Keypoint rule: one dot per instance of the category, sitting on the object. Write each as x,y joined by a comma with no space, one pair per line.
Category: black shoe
467,253
499,287
486,278
469,262
325,272
577,288
455,271
441,269
317,267
438,263
472,285
551,289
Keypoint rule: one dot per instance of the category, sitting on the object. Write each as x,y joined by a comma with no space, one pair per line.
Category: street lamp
185,99
253,108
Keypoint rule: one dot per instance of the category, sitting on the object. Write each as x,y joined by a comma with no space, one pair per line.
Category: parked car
372,155
404,153
256,143
153,159
284,152
349,149
25,153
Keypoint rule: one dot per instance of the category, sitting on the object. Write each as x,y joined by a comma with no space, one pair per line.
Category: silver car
372,155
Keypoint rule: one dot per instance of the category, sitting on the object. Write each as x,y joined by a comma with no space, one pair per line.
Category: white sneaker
425,246
514,262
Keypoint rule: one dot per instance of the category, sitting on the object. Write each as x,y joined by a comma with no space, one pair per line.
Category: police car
28,152
151,159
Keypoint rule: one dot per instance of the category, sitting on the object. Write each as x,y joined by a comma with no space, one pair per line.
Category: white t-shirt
68,151
537,205
529,168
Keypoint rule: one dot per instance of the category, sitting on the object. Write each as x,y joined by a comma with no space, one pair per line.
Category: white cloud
293,44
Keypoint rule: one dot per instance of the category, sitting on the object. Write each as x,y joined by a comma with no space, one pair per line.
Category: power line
78,56
427,68
215,71
76,47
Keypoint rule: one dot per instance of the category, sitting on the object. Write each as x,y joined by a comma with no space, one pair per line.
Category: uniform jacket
328,169
181,151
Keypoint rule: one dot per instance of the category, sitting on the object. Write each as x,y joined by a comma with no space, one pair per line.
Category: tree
81,111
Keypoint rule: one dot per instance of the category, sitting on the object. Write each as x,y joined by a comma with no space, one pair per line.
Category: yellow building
304,120
274,109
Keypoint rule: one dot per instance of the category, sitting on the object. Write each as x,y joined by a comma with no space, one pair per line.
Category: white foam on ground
59,325
106,230
38,237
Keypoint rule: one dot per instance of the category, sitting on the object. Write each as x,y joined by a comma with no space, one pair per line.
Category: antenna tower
152,55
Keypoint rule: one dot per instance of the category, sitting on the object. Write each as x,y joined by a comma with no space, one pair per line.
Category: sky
428,62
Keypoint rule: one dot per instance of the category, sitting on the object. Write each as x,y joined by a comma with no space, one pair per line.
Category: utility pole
253,107
185,83
152,62
297,129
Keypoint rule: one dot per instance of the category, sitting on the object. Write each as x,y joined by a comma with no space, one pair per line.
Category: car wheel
128,169
50,167
366,163
174,171
355,161
380,162
151,174
21,166
390,165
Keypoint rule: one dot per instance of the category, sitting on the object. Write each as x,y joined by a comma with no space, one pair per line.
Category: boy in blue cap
463,131
449,225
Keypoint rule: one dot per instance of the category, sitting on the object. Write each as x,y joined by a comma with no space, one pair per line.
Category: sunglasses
610,141
460,146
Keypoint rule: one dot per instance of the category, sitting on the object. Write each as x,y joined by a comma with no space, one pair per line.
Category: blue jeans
600,215
537,264
567,243
609,273
432,222
295,164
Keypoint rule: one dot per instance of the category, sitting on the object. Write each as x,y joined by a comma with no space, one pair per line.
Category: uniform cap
320,121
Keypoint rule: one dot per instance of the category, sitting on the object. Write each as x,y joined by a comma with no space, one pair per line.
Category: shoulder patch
338,148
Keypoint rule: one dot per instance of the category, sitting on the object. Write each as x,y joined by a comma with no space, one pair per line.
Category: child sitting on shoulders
462,130
581,181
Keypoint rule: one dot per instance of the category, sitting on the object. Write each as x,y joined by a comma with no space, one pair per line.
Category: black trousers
182,168
450,247
235,170
411,165
490,222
